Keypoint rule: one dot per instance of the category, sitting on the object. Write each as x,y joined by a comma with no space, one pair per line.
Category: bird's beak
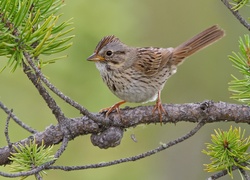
95,57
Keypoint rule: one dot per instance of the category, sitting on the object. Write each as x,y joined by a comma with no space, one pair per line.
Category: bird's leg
159,107
114,107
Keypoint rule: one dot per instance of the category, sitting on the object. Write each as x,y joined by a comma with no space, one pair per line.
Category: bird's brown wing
151,60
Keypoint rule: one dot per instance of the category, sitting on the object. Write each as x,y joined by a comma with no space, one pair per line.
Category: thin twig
6,131
219,175
62,147
38,176
68,100
225,172
244,173
56,110
42,167
237,15
17,120
27,173
133,158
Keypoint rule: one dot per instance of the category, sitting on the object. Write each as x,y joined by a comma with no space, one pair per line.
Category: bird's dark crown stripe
106,40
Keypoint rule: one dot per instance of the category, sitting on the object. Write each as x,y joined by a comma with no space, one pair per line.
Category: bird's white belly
134,88
137,94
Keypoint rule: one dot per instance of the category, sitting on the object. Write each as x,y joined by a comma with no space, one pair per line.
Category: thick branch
193,112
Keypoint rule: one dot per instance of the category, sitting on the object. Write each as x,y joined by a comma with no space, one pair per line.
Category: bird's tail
196,43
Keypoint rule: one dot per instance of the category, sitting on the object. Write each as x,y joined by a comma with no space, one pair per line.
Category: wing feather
151,60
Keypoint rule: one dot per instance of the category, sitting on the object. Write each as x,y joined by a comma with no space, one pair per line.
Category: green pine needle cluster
240,88
32,26
30,156
238,4
228,149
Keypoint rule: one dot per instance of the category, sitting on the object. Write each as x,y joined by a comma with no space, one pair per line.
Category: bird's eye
109,53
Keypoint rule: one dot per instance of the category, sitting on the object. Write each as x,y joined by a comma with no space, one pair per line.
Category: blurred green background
137,23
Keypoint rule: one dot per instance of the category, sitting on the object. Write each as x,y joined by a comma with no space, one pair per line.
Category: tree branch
16,119
137,157
6,131
225,172
244,174
209,111
68,100
43,92
237,15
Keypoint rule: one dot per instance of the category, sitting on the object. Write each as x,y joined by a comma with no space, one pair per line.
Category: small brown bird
136,74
